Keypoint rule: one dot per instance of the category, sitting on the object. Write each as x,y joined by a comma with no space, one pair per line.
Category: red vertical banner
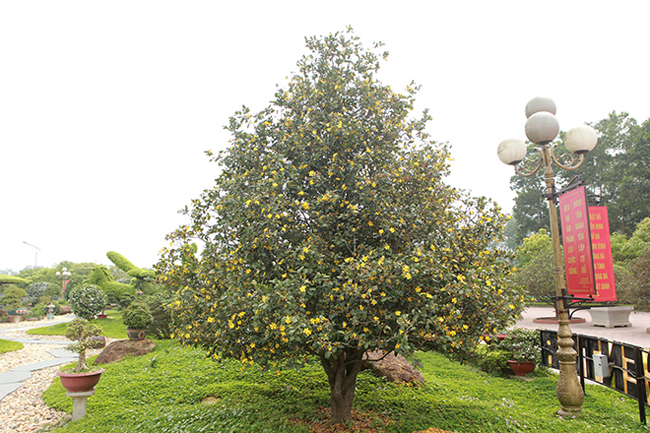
576,240
602,251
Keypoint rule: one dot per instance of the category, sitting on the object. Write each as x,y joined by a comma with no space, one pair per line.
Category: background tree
532,246
530,209
640,282
535,265
36,291
631,258
331,233
616,174
80,274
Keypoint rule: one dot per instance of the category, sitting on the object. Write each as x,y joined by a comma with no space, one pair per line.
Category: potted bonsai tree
524,348
81,379
137,318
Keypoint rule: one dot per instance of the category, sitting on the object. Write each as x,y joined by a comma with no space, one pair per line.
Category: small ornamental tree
81,331
330,233
87,301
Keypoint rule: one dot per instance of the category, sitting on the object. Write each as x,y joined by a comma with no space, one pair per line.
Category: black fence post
640,383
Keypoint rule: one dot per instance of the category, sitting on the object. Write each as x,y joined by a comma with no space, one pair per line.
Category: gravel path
24,410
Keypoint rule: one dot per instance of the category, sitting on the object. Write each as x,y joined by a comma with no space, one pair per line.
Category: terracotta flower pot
521,368
101,316
80,382
136,334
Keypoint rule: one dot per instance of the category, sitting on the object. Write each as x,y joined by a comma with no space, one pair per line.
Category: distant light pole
541,128
64,275
36,252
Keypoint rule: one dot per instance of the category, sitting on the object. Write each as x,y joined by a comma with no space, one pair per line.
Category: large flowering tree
330,232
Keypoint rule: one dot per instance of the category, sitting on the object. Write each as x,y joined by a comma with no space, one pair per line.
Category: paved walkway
636,334
14,379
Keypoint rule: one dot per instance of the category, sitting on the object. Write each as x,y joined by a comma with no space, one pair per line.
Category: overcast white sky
106,108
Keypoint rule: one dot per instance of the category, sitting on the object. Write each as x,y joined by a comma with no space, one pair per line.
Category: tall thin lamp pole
36,253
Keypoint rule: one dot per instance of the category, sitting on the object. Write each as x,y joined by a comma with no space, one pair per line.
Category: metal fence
628,364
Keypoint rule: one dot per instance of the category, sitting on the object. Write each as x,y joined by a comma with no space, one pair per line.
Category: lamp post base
570,412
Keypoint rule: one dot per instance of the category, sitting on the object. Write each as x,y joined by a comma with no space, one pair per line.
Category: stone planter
136,334
611,317
16,315
80,382
79,386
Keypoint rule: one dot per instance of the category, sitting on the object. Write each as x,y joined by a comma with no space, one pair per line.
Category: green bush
137,316
58,304
523,345
126,299
494,362
38,311
36,290
87,300
162,318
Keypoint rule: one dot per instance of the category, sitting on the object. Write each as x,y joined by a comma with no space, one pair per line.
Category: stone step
14,377
44,364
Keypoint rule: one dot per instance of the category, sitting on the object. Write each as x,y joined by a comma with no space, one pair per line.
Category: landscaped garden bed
177,389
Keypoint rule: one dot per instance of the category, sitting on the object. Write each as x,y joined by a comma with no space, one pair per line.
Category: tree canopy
535,265
330,232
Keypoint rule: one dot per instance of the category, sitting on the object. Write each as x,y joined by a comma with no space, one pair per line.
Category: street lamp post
64,275
37,249
541,128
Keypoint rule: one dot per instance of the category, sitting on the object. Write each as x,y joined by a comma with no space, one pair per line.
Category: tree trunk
81,362
342,371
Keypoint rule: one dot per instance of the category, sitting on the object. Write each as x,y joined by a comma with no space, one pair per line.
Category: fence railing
628,364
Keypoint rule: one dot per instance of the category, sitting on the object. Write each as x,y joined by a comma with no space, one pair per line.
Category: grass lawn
163,392
112,327
9,346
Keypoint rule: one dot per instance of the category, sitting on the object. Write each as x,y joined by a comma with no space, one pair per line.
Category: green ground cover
163,392
9,346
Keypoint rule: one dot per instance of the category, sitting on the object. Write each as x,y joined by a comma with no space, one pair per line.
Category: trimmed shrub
137,316
87,300
126,300
12,298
